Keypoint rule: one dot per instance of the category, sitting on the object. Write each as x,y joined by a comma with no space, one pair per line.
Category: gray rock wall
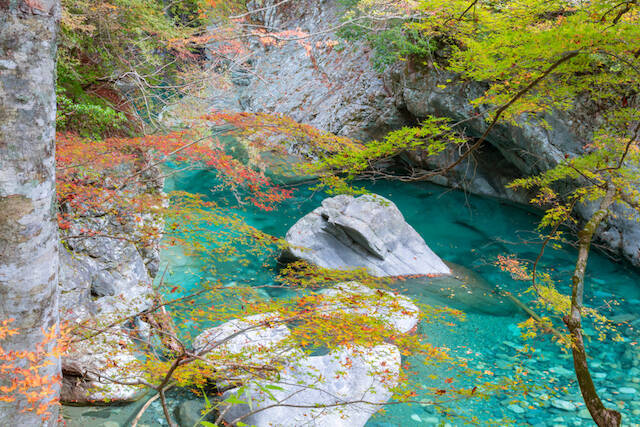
338,91
102,280
333,89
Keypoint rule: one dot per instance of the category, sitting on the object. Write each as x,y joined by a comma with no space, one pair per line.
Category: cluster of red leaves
23,371
98,177
512,265
228,46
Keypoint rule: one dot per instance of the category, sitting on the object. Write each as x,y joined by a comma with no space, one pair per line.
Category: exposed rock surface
396,311
102,280
368,231
341,93
332,89
351,384
254,339
89,366
106,279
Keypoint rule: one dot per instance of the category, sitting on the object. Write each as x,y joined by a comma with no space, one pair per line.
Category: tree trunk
601,415
28,228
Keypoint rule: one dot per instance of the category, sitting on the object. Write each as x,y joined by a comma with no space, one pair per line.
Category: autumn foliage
98,177
22,371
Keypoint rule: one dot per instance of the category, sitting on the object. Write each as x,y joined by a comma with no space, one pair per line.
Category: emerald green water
471,231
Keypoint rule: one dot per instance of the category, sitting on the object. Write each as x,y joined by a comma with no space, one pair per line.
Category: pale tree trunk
28,228
603,416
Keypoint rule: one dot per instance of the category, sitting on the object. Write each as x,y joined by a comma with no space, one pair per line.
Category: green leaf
235,401
206,400
274,387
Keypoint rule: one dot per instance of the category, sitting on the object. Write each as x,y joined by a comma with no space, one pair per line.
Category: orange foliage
22,370
513,266
260,127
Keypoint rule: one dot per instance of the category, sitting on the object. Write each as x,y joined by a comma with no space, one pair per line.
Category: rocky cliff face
331,88
337,90
104,279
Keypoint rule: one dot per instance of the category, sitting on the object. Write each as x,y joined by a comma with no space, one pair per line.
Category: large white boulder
253,340
396,311
369,231
343,388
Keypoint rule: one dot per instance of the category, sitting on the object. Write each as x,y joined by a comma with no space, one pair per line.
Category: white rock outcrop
369,231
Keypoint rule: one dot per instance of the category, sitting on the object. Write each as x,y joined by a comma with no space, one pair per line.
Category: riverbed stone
369,232
342,379
584,413
516,409
624,317
559,370
565,405
189,413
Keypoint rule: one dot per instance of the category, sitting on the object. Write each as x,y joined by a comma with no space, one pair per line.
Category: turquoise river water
469,231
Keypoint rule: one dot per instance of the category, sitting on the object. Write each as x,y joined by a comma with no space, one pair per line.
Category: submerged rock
328,390
515,408
396,311
368,231
565,405
464,290
189,413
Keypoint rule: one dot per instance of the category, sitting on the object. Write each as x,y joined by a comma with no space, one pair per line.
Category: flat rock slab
369,232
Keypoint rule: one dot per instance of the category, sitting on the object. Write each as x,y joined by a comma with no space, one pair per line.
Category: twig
145,407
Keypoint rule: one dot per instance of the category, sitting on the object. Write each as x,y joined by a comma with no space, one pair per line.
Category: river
469,231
